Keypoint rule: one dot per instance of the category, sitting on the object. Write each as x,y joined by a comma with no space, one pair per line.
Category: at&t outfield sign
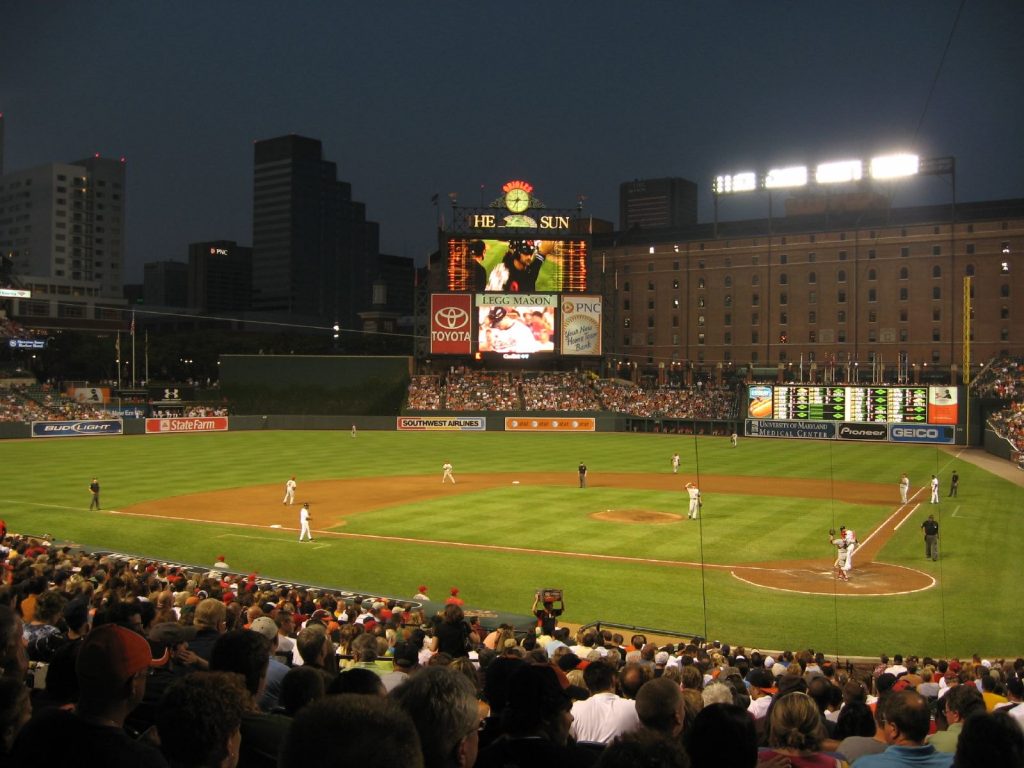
450,324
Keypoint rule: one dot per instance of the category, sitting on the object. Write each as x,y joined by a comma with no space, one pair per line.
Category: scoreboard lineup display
858,404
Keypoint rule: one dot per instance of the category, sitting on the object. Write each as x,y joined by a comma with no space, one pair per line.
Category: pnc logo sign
450,326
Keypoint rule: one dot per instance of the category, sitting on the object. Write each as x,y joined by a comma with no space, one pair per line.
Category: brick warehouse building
873,295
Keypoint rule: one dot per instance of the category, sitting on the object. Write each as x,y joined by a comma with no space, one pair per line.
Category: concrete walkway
982,458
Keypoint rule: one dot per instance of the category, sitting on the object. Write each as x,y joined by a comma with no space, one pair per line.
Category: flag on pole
133,323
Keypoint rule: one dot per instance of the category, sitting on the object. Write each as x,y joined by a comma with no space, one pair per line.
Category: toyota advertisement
451,324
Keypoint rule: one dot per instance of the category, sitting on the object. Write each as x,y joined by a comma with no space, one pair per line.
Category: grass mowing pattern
46,491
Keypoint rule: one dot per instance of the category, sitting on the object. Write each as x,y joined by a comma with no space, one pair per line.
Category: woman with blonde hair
796,732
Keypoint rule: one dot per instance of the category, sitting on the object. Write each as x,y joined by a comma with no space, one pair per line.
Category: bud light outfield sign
77,428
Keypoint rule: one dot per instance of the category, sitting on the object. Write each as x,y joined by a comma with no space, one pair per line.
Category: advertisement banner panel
581,325
759,403
186,424
96,395
516,326
77,428
922,433
442,423
567,424
450,326
814,430
849,431
942,405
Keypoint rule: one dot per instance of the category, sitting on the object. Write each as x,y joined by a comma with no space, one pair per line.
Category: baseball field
755,569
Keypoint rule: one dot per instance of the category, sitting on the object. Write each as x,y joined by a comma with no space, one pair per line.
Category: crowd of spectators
425,393
190,411
144,663
39,402
1003,379
462,390
481,391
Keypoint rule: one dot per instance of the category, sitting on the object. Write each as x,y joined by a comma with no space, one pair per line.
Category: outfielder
839,566
695,502
304,523
447,473
289,491
675,463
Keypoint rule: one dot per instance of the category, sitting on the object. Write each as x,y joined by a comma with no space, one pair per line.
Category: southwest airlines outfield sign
95,428
828,430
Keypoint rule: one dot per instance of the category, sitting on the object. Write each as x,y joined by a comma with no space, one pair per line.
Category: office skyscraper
652,204
314,252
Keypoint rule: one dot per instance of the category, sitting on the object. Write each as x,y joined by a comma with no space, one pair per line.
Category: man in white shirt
605,714
897,667
761,687
935,490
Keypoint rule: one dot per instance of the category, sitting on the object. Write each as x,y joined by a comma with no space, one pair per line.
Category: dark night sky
412,98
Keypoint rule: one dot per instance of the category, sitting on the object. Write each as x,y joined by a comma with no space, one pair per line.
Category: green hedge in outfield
972,609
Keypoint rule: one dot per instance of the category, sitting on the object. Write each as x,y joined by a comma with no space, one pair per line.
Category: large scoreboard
901,413
517,283
879,404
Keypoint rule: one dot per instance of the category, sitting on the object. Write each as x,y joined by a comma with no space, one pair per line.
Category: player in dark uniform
931,537
583,475
94,489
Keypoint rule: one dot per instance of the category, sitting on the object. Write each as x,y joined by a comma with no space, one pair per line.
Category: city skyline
411,100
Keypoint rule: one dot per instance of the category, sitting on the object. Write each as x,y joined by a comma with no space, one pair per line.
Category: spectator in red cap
112,668
454,598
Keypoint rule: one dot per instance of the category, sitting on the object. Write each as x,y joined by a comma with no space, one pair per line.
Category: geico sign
915,432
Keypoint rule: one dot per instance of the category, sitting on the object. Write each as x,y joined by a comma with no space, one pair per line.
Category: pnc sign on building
451,324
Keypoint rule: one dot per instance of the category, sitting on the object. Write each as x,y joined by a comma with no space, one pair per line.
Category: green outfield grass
970,610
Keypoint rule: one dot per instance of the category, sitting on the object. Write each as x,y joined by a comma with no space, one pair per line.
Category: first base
515,482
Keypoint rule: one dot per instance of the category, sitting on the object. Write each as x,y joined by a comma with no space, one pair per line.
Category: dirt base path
333,500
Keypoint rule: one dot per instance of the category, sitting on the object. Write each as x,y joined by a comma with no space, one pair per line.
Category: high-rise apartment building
314,252
62,230
653,204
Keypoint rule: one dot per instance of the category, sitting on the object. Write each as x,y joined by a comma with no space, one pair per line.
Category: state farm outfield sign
185,424
442,423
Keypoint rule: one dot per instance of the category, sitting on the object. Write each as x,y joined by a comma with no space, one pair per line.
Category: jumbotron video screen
517,265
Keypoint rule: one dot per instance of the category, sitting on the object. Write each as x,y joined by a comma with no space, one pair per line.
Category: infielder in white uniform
904,487
935,490
304,523
695,502
734,440
851,544
447,468
289,491
675,463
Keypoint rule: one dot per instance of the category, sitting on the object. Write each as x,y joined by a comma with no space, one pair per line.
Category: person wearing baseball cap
112,668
